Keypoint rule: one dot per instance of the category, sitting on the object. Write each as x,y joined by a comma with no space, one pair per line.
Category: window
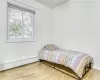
20,24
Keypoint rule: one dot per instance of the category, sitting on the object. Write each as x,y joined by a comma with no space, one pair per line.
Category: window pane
15,18
20,23
28,24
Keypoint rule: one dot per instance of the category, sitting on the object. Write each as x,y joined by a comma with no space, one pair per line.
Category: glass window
20,23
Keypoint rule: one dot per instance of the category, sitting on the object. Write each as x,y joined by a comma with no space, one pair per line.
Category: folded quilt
72,59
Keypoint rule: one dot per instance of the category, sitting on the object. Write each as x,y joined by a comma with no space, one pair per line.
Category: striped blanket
72,59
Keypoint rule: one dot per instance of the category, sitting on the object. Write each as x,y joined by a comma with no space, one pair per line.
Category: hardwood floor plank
39,71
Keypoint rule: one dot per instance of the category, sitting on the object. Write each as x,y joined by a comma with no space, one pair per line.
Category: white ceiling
51,3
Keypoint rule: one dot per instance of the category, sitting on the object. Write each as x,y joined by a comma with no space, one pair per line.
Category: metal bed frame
57,66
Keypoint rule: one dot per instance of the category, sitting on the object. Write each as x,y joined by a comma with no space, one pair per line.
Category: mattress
72,59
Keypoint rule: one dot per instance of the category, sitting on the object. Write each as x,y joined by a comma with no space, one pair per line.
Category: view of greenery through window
20,22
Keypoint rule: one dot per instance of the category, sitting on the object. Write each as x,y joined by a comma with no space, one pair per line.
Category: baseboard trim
17,63
97,67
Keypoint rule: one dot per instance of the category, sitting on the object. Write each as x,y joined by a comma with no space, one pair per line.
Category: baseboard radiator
17,63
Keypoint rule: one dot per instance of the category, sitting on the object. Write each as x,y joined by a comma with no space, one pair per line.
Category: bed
80,63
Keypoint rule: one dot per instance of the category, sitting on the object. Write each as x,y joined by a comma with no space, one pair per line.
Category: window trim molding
20,40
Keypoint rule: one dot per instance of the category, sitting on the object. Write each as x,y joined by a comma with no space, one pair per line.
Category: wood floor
39,71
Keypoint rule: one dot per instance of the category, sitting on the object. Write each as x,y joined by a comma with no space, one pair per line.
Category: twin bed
80,63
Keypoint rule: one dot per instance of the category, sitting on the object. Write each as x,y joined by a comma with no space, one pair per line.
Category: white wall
77,27
74,25
12,52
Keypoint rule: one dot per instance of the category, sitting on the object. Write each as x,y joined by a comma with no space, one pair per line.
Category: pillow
51,47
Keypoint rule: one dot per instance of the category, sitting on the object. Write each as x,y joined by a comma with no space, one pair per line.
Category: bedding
72,59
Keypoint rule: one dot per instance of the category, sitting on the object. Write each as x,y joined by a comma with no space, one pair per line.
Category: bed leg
54,65
79,79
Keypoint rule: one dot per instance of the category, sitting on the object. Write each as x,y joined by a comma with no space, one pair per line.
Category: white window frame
14,40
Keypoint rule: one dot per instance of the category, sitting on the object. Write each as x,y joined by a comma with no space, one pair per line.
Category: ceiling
51,3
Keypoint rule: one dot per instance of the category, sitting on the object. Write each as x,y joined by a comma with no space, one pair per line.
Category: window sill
19,41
